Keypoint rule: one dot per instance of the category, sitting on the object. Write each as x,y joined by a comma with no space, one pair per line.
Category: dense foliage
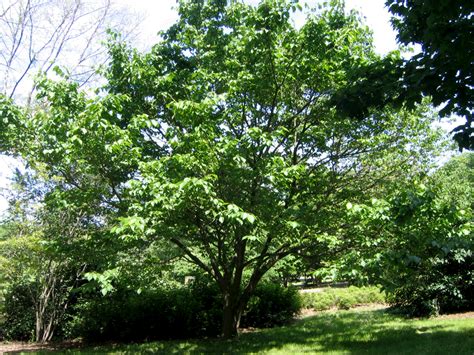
444,67
270,305
179,312
441,70
420,241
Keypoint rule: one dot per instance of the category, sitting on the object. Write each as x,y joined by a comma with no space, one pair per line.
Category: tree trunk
231,316
235,301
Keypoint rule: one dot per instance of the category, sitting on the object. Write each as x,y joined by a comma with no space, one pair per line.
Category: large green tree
222,143
254,163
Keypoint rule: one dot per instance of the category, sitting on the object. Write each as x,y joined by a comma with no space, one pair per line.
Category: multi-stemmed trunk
236,299
232,312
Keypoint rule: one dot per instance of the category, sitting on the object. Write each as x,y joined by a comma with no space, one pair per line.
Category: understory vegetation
342,298
162,313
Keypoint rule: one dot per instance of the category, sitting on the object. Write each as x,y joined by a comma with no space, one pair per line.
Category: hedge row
167,313
342,298
176,313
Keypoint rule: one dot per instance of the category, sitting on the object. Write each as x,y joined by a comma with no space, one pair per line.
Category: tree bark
231,314
235,301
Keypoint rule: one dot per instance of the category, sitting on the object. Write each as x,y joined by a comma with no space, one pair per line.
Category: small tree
222,142
44,252
38,277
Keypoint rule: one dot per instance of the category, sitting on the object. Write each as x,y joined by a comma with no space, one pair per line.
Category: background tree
38,35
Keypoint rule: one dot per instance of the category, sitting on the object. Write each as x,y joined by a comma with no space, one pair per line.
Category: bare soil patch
457,315
15,347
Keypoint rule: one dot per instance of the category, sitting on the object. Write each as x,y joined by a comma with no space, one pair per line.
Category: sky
160,14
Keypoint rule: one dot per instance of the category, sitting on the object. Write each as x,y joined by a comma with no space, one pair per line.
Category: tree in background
38,35
418,242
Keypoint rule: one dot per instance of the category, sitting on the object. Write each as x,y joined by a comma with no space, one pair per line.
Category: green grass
341,332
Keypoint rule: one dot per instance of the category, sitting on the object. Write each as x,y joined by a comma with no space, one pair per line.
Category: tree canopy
444,67
223,143
442,70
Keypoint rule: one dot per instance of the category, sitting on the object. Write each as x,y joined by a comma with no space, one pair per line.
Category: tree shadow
361,332
355,332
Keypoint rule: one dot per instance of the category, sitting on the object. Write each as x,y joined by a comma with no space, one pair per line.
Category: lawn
341,332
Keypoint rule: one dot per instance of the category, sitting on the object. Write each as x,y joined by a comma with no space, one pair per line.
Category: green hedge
271,305
342,298
159,314
184,312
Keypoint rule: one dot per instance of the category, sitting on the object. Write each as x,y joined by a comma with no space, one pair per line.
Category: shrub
342,298
346,301
423,254
158,314
19,311
182,312
271,305
446,286
319,301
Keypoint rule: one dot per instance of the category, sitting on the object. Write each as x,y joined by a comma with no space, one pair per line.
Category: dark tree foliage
444,67
442,70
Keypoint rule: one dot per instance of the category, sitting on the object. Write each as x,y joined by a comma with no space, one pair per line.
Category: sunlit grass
341,332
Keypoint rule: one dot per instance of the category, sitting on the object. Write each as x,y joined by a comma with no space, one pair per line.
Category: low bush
173,313
19,313
271,305
438,284
342,298
158,314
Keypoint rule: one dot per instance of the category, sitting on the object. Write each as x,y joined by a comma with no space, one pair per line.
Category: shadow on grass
368,332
